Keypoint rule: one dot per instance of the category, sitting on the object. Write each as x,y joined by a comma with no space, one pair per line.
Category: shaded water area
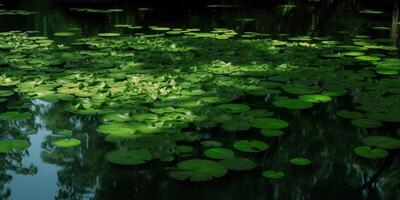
150,100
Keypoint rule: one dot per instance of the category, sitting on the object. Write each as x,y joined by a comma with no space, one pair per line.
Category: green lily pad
292,104
198,170
368,58
349,114
269,123
64,133
368,152
273,174
382,142
131,157
6,93
219,153
315,98
300,161
250,146
108,34
211,143
238,164
64,34
8,116
232,108
299,89
184,149
271,133
67,142
366,123
7,146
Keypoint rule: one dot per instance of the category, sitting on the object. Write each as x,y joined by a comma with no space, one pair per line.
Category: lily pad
269,123
271,133
67,142
6,93
198,170
219,153
238,164
300,161
315,98
250,146
233,108
8,116
131,157
382,142
108,34
7,146
366,123
273,174
349,114
368,152
293,104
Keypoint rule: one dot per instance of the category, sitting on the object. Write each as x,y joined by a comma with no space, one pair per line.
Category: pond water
209,101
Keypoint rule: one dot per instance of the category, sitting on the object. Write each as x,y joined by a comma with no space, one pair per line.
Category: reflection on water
46,172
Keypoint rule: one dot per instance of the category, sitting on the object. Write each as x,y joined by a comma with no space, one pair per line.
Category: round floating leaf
368,58
315,98
300,161
368,152
250,146
233,108
211,143
349,114
366,123
382,142
294,104
64,34
8,116
108,34
271,133
67,142
273,174
268,123
6,93
235,124
117,128
299,89
131,157
198,170
219,153
184,149
64,133
238,164
7,146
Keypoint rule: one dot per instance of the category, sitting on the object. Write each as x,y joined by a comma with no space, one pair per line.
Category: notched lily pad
252,146
368,152
130,157
219,153
67,142
198,170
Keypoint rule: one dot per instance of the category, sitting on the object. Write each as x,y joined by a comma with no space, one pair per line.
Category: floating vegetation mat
156,94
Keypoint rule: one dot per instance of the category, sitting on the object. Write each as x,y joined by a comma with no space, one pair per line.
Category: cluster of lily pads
155,94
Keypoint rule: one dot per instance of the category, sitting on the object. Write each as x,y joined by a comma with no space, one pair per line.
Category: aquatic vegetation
13,115
131,157
300,161
368,152
8,146
68,142
219,153
198,170
273,174
238,164
250,146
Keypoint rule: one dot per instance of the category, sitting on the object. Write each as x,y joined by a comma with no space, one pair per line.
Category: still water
44,171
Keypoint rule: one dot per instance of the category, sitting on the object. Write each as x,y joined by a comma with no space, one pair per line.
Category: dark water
44,172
